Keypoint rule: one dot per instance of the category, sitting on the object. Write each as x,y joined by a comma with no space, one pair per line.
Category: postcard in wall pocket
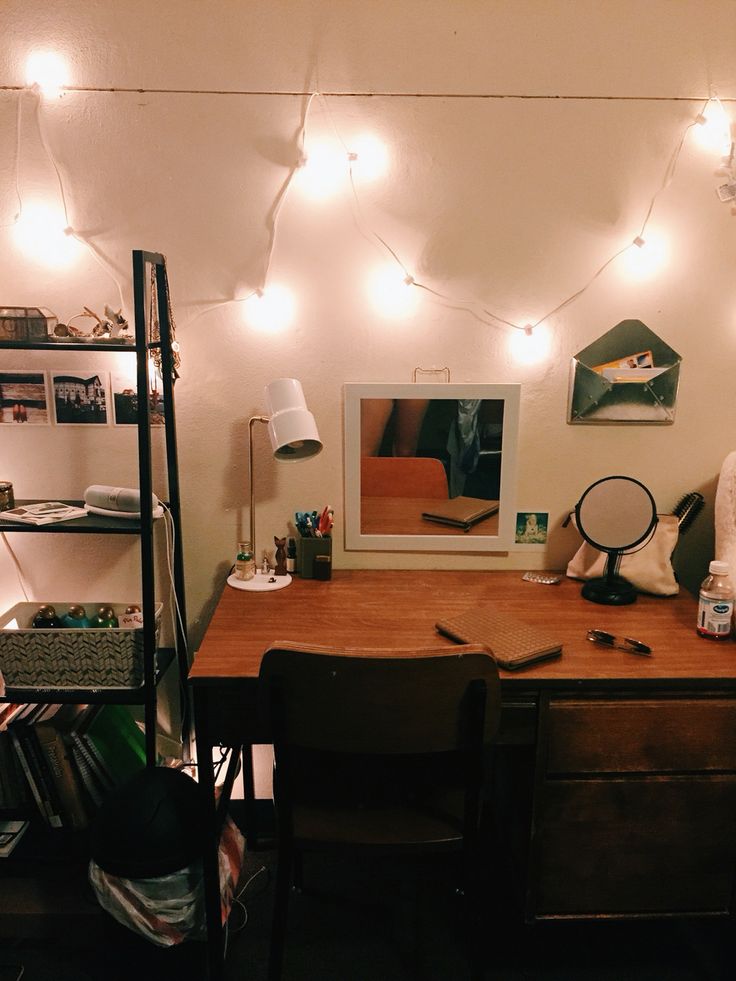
629,375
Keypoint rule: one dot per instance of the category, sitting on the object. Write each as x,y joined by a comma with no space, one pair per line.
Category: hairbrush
687,509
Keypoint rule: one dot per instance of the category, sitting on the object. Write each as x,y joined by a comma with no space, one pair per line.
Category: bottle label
714,617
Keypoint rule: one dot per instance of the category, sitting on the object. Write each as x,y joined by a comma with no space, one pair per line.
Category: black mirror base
609,590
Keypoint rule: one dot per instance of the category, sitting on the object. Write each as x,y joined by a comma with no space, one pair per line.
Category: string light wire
467,305
363,226
68,230
16,563
18,118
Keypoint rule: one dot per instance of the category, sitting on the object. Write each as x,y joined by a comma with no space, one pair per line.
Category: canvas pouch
649,568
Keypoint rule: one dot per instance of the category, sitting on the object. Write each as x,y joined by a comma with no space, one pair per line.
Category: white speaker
118,501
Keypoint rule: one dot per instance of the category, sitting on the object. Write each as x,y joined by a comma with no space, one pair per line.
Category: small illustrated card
80,399
125,399
24,398
531,528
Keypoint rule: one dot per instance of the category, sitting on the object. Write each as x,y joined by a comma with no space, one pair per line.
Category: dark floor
358,927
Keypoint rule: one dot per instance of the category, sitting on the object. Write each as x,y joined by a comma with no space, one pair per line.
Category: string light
389,290
713,128
645,257
270,310
48,71
272,307
323,171
369,158
529,345
41,234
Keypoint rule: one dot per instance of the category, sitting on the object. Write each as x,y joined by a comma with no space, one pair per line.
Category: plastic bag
169,909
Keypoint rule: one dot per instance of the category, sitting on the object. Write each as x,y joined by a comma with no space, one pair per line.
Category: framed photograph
24,398
80,399
125,399
531,528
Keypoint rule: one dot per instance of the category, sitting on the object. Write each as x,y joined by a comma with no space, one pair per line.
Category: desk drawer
626,846
641,735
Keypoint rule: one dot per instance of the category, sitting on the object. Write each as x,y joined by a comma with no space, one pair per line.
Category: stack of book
62,760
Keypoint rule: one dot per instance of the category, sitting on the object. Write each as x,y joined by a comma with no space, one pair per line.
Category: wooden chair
403,476
364,744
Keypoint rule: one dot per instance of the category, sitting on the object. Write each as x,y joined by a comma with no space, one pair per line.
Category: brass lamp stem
252,420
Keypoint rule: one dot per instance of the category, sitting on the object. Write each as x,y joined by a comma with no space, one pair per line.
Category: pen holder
306,549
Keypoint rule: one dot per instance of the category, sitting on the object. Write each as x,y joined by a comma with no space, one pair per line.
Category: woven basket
68,658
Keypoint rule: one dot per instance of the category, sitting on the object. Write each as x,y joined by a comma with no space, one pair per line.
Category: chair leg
298,861
284,865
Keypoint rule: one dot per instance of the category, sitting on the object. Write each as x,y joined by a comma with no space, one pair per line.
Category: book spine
95,765
44,780
14,797
56,756
87,777
29,775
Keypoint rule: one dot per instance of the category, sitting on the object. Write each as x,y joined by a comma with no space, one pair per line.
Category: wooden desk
631,761
403,516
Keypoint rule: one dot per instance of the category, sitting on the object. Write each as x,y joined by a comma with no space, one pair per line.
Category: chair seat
437,824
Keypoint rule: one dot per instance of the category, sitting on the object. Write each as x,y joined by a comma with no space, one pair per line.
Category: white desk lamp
293,434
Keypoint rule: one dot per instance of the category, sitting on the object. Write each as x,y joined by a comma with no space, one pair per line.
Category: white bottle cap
717,568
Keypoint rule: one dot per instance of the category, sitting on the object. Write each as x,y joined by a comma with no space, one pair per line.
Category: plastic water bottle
715,603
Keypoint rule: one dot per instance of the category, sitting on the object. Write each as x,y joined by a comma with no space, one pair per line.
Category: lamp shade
291,426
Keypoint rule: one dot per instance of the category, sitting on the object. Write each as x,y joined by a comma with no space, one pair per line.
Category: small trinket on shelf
245,565
76,618
105,618
132,618
46,618
7,498
280,544
291,556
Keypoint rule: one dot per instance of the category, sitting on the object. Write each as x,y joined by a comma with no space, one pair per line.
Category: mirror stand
610,589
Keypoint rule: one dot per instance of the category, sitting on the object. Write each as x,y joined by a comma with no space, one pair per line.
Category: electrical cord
94,252
18,117
16,563
176,617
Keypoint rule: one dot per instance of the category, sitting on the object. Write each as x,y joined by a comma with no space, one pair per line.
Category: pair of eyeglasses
622,643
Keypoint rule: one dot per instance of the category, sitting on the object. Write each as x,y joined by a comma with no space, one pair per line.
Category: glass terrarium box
23,324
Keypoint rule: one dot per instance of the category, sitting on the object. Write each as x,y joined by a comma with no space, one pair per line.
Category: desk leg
210,860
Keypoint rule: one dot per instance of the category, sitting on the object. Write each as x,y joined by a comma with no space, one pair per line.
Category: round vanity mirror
615,515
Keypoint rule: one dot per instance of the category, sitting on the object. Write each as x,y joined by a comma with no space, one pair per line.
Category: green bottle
105,618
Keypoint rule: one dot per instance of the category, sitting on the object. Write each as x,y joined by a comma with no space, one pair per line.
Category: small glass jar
46,618
245,564
104,618
7,498
76,618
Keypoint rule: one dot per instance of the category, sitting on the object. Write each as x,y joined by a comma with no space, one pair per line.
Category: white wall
527,140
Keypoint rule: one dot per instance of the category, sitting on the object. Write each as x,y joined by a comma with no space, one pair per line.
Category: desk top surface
399,608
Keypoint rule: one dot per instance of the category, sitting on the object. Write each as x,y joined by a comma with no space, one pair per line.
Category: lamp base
609,590
260,583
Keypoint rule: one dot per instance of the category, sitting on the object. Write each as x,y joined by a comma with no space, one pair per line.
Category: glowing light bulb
645,257
390,291
41,234
271,309
713,129
530,345
323,172
368,158
48,70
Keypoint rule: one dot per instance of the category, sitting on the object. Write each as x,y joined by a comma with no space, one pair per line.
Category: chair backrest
403,476
382,702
